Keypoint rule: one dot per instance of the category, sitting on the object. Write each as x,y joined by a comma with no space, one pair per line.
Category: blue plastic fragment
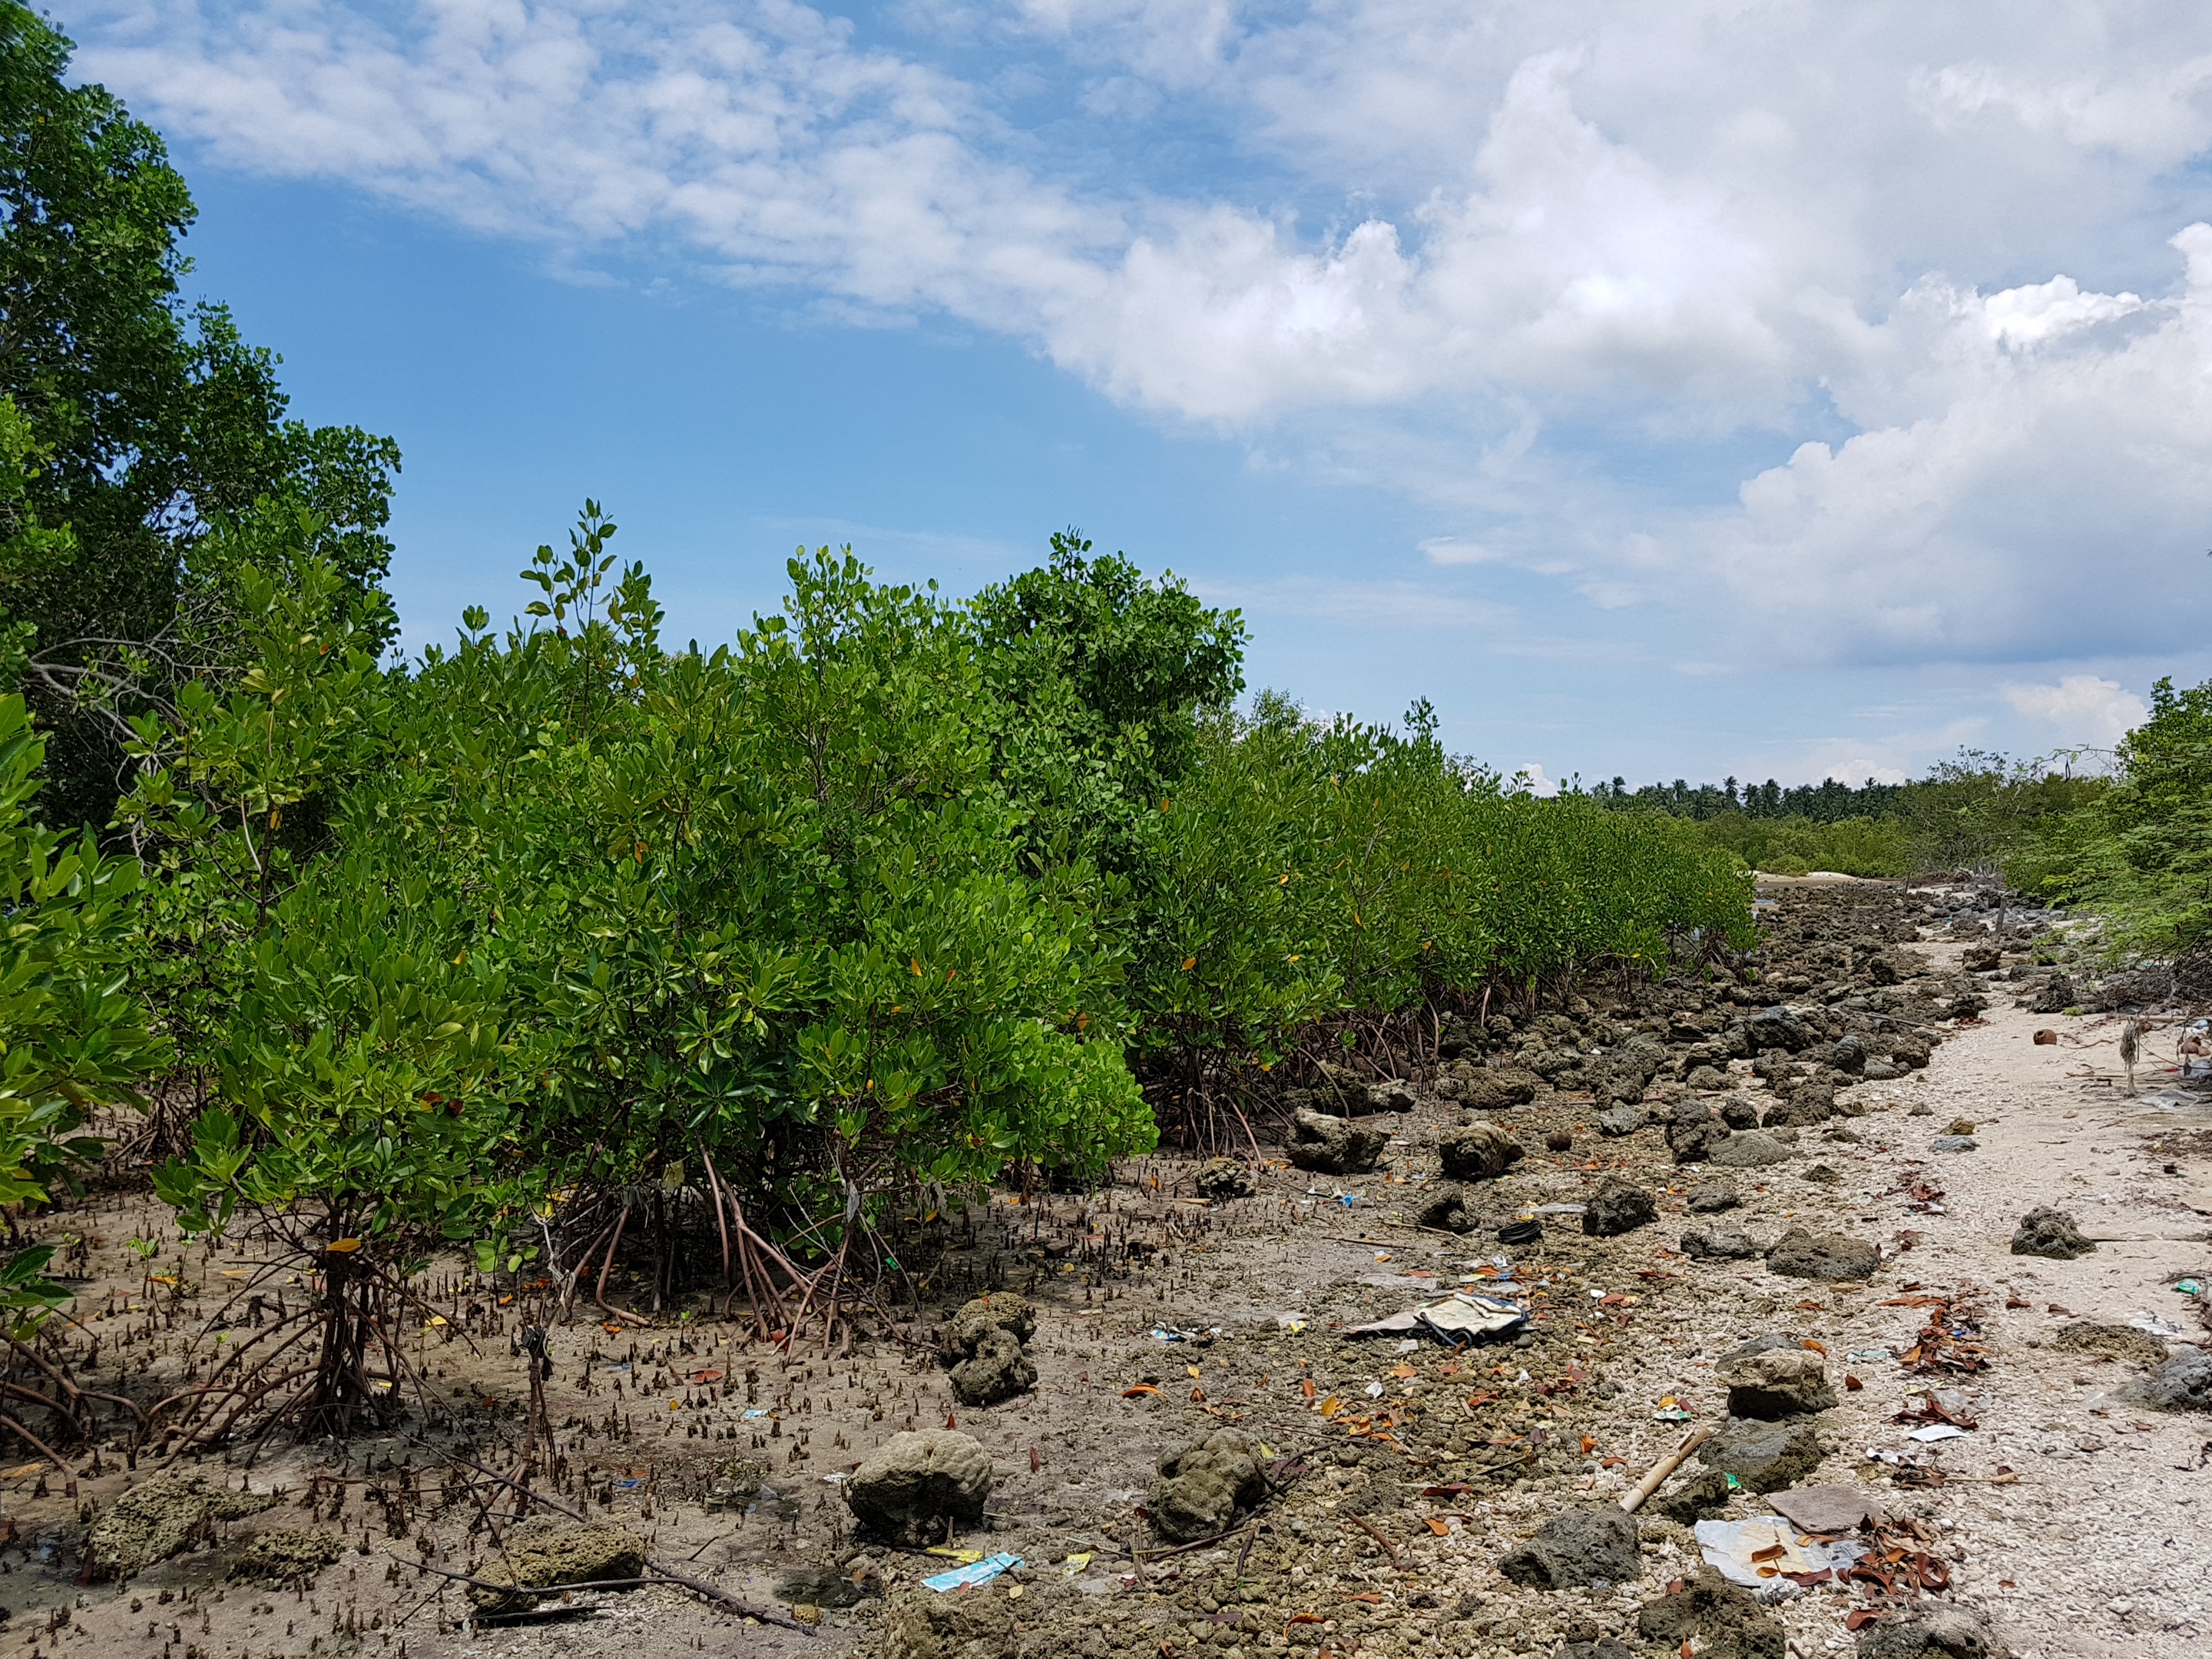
977,1572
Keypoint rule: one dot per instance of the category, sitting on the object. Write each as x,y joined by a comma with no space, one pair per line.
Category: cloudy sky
1772,389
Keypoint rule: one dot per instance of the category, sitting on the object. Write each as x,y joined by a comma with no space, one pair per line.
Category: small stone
1954,1144
1000,1310
155,1521
1832,1258
1559,1141
1764,1457
999,1368
1391,1095
1477,1153
544,1551
920,1624
1712,1197
1754,1149
2183,1383
1488,1092
285,1558
1719,1244
1777,1383
919,1478
1618,1121
1222,1179
1719,1619
1707,1080
1940,1633
1199,1490
2045,1232
1334,1145
1443,1206
1618,1206
1580,1547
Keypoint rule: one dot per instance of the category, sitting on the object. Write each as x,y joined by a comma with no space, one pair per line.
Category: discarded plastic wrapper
1869,1356
2151,1325
981,1573
1760,1554
1186,1333
2186,1286
1936,1431
1557,1209
1460,1318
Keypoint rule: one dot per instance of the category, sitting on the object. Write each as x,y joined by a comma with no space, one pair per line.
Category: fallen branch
1665,1467
1388,1548
660,1576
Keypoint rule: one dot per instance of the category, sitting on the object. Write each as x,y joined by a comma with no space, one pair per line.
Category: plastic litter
2187,1287
1521,1232
1869,1356
2151,1325
1936,1431
980,1572
1185,1333
1459,1319
1760,1554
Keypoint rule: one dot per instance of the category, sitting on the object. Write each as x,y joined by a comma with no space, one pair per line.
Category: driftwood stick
1665,1467
660,1576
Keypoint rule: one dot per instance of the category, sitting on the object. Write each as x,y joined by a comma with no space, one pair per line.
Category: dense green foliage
152,422
2139,850
1829,801
1798,845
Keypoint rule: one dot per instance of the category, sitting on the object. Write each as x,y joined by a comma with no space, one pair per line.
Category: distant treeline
1975,813
1830,802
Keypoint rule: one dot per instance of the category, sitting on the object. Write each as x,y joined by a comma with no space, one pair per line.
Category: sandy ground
2073,1521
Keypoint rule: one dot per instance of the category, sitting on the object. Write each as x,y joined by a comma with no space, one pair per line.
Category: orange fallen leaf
1590,1443
1141,1388
1193,1370
611,1328
1402,1370
1199,1394
1306,1387
951,1421
1437,1527
1814,1346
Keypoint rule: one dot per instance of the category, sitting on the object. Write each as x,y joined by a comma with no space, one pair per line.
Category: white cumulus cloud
2081,709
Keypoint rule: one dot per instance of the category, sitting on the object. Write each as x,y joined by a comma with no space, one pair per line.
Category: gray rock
1222,1178
1740,1112
1707,1078
1719,1244
2056,995
920,1624
1605,1647
1391,1095
1616,1120
1712,1197
919,1478
1779,1028
1580,1547
1850,1053
1695,1142
999,1368
1764,1457
1809,1105
1487,1091
160,1517
1334,1145
1938,1632
999,1310
1444,1205
1701,1498
1618,1206
2183,1383
1954,1144
1779,1382
1834,1258
2045,1232
1199,1490
1879,1070
544,1551
1725,1621
1753,1149
1477,1153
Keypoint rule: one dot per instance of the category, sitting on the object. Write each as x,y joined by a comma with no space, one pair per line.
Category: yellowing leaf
343,1246
1189,962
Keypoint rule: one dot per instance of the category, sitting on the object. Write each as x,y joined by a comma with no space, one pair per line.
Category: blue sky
1763,388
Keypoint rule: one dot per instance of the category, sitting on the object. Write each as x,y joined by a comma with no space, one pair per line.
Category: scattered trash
1348,1199
979,1572
1461,1318
2186,1287
1763,1556
1521,1232
962,1557
2151,1325
1290,1322
1558,1209
2045,1037
1869,1356
1075,1564
1936,1431
1185,1333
